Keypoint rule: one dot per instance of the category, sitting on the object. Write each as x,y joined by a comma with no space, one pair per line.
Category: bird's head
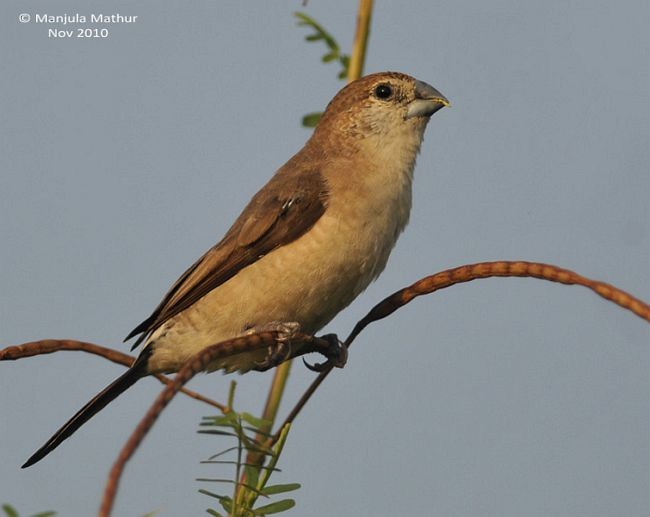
386,104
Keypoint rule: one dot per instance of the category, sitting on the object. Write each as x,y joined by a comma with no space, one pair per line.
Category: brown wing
288,206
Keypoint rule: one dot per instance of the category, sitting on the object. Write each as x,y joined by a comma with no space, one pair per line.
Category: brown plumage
305,246
291,203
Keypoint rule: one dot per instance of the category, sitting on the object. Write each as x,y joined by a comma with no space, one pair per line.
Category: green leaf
220,420
226,503
252,445
320,32
277,507
302,16
215,480
218,462
214,513
248,443
214,431
334,54
279,489
9,510
329,57
332,44
311,119
52,514
257,430
254,421
212,494
225,451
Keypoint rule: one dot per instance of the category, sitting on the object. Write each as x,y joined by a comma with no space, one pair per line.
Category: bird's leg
335,352
280,351
329,345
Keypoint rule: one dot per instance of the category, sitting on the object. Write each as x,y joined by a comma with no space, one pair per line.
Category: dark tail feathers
96,404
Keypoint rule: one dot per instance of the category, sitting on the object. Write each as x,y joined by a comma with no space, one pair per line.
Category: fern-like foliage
333,54
250,481
10,511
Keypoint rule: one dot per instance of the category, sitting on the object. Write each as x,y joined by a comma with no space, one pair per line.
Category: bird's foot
336,354
280,351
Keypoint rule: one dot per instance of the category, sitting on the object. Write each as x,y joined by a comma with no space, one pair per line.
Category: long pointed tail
96,404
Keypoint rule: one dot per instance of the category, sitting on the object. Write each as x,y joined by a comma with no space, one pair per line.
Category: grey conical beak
427,101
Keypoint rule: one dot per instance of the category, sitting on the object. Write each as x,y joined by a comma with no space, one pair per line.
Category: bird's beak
427,101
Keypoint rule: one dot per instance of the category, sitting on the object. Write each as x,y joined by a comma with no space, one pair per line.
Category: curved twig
467,273
49,346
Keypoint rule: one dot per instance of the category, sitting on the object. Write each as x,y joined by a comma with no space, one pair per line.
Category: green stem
358,57
355,70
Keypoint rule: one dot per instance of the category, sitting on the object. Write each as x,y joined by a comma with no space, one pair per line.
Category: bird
306,245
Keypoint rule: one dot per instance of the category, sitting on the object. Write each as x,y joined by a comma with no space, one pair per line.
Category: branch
358,55
461,274
49,346
500,268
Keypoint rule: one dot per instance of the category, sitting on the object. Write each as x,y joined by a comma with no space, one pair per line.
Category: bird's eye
383,91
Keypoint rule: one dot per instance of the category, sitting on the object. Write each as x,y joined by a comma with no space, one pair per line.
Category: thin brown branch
49,346
248,343
467,273
194,394
501,268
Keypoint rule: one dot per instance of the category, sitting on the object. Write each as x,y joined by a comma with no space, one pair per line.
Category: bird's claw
280,351
276,354
336,354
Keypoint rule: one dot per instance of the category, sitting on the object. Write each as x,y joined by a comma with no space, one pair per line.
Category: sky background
123,159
